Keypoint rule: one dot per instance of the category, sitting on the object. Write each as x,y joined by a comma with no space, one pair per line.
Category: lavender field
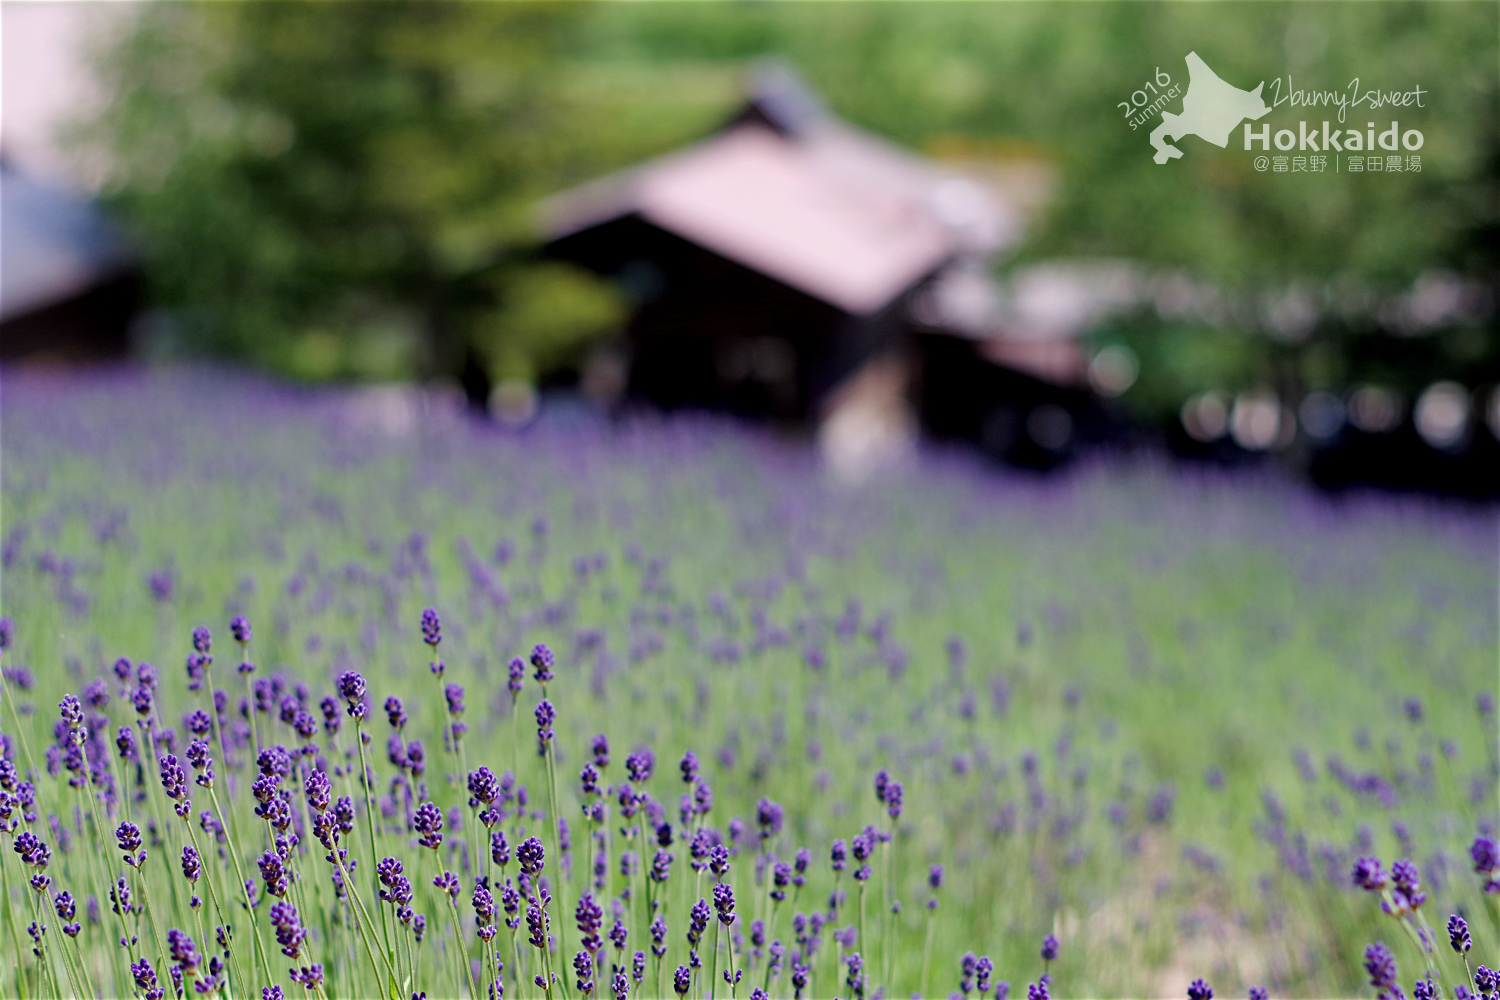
892,736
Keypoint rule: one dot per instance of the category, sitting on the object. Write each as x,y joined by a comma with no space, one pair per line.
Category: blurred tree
347,189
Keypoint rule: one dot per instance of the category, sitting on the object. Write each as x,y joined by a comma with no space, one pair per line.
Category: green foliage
356,207
292,192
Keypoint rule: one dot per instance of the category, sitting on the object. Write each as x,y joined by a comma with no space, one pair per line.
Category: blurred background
864,223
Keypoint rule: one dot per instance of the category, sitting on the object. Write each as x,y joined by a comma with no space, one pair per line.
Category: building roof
53,245
789,190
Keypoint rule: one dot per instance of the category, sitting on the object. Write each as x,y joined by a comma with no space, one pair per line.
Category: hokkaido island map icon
1211,109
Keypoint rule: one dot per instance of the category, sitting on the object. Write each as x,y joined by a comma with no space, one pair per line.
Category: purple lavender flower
1381,965
1049,948
144,976
1368,875
454,695
1038,991
781,877
698,919
1200,990
432,628
1458,934
331,718
192,865
840,854
484,787
658,931
352,690
1406,889
174,783
290,933
449,883
197,755
198,723
531,856
724,903
428,821
638,766
536,923
600,750
590,918
855,976
128,838
72,711
689,767
395,712
769,816
983,969
499,848
620,987
718,860
583,969
894,794
1259,993
517,678
1486,980
319,790
542,662
310,976
1486,857
239,627
273,872
183,951
545,716
682,980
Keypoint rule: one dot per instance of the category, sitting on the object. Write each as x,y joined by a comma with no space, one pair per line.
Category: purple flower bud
531,856
428,821
192,866
499,849
1381,965
432,628
239,627
724,903
1200,990
542,662
1458,934
351,688
517,677
1368,875
545,716
455,698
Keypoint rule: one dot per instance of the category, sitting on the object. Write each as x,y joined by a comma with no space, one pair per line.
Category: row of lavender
292,790
1095,758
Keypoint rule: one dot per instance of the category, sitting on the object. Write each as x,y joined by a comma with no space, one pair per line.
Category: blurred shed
778,266
68,280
